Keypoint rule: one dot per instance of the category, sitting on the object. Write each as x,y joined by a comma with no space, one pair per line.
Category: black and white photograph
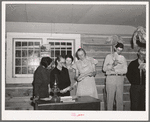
74,60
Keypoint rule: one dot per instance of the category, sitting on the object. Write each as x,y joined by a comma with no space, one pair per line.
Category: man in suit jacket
136,75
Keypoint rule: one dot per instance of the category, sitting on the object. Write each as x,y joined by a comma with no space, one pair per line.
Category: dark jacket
63,79
40,82
133,73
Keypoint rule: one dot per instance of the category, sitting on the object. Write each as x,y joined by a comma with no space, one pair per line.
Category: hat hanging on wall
139,37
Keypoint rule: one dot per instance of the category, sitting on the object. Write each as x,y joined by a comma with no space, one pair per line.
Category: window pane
57,43
24,70
57,53
68,43
24,62
37,53
18,70
30,43
51,43
69,53
31,69
18,53
63,43
24,43
30,61
30,53
18,44
63,53
24,53
33,61
37,43
18,62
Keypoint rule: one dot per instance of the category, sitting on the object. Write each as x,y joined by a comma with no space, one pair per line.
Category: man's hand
115,63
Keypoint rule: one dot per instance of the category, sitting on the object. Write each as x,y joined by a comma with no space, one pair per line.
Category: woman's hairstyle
119,45
58,59
69,56
46,61
80,49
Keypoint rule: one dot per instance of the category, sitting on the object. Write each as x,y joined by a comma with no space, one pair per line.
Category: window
61,47
26,56
24,52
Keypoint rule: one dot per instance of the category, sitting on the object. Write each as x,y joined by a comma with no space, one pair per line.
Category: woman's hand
66,89
35,98
80,78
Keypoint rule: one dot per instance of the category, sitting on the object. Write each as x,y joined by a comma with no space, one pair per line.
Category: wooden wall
18,95
97,48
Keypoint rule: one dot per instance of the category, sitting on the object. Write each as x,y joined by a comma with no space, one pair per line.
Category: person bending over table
41,79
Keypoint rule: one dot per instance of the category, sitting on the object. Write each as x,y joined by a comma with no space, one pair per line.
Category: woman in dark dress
42,79
62,75
69,60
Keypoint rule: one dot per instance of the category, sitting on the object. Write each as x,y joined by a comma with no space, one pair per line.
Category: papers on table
67,99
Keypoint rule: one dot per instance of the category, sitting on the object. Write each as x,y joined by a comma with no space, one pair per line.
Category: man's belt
115,74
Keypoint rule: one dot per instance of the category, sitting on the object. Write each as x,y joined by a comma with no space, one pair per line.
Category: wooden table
81,103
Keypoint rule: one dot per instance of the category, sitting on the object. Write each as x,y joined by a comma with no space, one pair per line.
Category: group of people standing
116,68
78,78
75,79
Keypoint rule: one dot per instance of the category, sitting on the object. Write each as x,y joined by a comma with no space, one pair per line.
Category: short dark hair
46,61
119,45
69,56
80,49
58,59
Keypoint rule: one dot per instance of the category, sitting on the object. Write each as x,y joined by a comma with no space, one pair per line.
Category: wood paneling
128,48
19,92
127,40
129,56
97,55
126,106
100,89
127,88
93,39
96,48
126,97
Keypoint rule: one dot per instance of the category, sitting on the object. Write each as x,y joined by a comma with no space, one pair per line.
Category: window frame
13,56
